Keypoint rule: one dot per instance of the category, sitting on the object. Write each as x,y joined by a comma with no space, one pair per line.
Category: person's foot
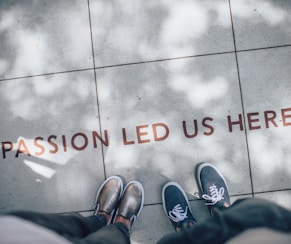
108,197
213,186
131,204
176,206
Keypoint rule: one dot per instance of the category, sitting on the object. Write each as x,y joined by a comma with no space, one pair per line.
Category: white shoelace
215,195
178,214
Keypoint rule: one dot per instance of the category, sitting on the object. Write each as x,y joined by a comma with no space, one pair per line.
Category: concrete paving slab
283,198
48,158
148,30
266,88
260,23
38,37
150,112
143,108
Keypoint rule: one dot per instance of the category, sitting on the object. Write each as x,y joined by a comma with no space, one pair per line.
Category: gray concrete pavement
146,90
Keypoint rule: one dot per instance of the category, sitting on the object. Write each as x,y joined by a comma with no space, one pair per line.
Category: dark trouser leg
242,215
111,234
71,226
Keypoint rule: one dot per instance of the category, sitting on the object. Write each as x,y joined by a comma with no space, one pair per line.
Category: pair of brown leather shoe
112,199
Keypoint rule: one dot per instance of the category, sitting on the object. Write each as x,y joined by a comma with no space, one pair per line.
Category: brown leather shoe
131,202
108,196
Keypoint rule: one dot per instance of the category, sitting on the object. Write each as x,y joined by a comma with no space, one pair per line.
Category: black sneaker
176,206
213,186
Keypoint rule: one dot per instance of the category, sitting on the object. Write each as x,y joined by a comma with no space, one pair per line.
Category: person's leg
251,213
68,226
214,190
226,224
74,225
117,233
226,221
244,214
129,209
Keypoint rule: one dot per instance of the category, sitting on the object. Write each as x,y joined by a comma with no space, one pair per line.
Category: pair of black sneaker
214,190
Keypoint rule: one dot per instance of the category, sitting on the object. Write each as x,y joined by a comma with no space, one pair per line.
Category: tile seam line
242,101
144,62
231,195
272,191
263,48
47,74
199,199
112,66
96,86
192,56
190,200
163,60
